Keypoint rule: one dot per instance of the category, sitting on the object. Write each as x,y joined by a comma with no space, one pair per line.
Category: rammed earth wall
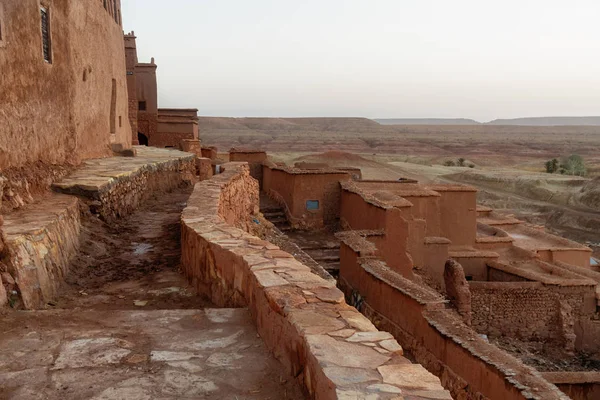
333,350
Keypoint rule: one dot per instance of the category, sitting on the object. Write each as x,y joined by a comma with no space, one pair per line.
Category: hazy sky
478,59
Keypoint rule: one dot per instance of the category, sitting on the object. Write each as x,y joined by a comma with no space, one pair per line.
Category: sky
479,59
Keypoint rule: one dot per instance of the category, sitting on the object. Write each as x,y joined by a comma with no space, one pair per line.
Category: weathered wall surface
302,318
40,244
468,366
293,188
115,188
255,160
61,112
529,310
458,213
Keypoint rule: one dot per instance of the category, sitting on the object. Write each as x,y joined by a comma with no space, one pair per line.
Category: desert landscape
507,161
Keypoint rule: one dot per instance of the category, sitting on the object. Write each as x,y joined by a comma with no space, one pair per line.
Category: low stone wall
333,350
40,243
116,186
469,366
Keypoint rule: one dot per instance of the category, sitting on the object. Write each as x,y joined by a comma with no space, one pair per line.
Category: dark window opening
120,122
113,107
46,45
142,106
142,139
469,277
312,205
105,5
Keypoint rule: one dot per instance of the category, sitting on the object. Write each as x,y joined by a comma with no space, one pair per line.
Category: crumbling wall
529,310
40,243
255,160
457,290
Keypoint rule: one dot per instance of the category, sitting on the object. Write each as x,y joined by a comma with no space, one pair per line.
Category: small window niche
312,205
142,105
2,27
46,34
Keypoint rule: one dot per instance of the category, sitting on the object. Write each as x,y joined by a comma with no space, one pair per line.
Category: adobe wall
577,385
293,188
528,311
146,91
255,160
301,317
458,213
61,112
209,152
174,126
468,366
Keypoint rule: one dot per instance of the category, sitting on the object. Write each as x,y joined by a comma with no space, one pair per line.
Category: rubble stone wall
40,246
122,195
527,310
302,318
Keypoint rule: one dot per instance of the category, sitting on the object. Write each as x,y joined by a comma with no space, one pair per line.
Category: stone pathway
127,325
138,355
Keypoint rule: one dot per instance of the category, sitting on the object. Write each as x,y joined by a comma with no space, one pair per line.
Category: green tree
461,162
574,165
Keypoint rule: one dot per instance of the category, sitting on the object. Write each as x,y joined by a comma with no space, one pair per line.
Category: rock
384,388
343,333
410,376
333,352
392,345
342,376
358,321
457,289
369,336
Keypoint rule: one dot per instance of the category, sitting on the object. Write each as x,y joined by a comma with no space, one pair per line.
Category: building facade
64,93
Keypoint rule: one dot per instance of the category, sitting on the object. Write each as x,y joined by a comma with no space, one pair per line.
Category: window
312,205
1,25
105,6
113,107
142,106
46,44
120,121
469,277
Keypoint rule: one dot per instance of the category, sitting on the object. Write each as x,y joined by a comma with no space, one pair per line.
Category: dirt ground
134,259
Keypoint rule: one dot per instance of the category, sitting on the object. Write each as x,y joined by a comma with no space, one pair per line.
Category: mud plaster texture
138,355
114,187
469,366
60,112
333,350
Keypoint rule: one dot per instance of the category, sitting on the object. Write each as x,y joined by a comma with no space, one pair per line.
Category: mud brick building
63,100
151,125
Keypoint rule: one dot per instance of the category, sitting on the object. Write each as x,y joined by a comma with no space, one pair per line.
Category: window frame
313,210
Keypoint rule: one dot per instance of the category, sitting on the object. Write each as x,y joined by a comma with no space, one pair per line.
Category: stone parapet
332,349
41,241
114,187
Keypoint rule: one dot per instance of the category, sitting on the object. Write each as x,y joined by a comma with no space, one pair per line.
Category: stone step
273,214
326,258
277,220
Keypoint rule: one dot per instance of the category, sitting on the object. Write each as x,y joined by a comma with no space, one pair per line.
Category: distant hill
427,121
549,121
286,124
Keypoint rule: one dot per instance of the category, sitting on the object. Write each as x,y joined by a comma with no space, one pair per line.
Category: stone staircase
328,255
276,216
